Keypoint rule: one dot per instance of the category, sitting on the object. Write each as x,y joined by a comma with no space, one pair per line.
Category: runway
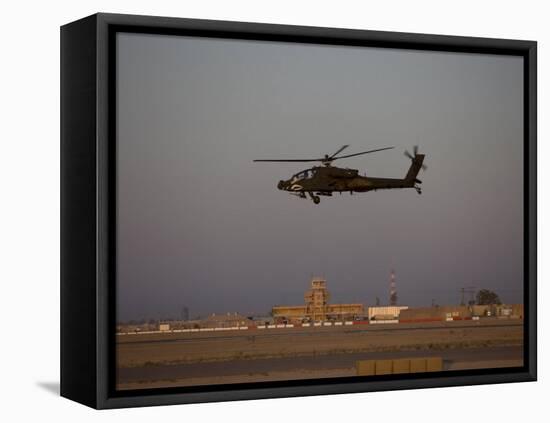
172,359
320,362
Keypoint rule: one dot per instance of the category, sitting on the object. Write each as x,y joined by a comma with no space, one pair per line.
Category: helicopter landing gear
315,198
418,190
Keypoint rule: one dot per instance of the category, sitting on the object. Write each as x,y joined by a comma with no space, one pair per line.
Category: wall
389,311
426,313
297,313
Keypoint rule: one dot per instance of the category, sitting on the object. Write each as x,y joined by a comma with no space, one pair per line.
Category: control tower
317,307
316,299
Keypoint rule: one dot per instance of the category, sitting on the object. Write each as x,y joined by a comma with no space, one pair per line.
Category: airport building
317,307
443,313
385,312
228,320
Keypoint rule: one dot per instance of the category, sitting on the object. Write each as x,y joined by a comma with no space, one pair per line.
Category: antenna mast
393,289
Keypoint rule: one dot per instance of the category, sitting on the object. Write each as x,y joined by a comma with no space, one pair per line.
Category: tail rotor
413,157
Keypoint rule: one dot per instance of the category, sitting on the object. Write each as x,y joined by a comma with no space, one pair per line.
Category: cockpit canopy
304,174
330,172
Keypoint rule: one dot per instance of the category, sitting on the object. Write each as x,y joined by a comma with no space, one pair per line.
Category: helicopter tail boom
416,165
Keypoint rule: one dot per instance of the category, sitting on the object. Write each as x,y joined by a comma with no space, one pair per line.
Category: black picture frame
88,209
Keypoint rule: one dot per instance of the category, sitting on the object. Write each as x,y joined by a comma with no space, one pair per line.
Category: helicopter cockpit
304,174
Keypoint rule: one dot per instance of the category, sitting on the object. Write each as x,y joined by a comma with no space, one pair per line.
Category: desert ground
253,355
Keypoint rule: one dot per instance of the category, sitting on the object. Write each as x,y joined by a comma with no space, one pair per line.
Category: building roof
228,317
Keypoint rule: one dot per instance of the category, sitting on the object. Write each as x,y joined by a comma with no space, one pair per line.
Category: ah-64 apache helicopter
327,179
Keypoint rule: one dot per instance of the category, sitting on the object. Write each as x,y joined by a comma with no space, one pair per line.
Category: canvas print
292,211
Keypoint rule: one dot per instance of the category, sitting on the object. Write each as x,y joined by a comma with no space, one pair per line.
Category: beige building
511,311
385,312
317,307
229,320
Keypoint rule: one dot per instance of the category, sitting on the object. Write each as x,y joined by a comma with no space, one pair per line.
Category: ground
202,358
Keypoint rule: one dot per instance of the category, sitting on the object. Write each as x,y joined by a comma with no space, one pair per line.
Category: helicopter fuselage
326,180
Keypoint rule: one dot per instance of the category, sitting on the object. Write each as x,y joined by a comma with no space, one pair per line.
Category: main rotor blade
339,151
363,152
325,159
290,160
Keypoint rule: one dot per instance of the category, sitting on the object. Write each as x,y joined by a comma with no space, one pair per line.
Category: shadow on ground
51,387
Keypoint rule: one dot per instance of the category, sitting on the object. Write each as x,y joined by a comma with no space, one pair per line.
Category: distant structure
393,289
185,313
385,312
316,299
228,320
317,307
467,290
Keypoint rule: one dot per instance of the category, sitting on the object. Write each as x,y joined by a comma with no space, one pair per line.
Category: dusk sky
201,225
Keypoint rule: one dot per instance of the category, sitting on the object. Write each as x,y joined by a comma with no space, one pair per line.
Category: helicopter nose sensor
281,185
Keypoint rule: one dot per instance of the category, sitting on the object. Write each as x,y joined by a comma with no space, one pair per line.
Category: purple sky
202,226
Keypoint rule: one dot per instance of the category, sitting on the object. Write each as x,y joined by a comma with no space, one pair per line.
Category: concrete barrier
434,364
418,365
402,365
422,320
398,366
383,367
273,326
365,367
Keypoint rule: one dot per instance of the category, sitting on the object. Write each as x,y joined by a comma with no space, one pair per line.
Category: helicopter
327,179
